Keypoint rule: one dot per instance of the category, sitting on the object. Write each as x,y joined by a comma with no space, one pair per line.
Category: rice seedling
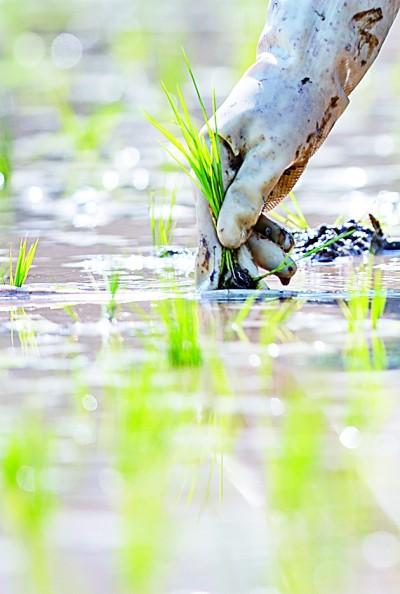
71,313
180,318
241,317
22,323
88,134
274,320
160,53
5,160
303,490
4,274
161,220
251,15
378,300
113,283
363,310
26,500
24,263
198,159
364,304
307,254
144,449
293,216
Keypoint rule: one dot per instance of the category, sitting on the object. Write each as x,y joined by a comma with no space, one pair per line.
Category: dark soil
363,239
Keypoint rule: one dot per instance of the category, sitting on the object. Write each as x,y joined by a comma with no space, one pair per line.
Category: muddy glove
311,55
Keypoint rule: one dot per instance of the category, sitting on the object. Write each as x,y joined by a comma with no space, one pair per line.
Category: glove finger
229,162
246,261
245,197
271,230
209,254
270,256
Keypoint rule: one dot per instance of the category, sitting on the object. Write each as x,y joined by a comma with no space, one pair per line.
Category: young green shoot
161,220
113,286
363,310
307,254
200,160
292,216
364,304
88,134
24,263
5,161
181,324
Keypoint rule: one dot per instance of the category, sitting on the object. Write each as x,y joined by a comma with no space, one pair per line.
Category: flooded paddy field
154,440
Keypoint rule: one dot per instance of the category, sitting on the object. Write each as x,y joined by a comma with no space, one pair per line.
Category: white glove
311,55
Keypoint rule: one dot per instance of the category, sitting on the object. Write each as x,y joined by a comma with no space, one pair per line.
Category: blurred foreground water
151,442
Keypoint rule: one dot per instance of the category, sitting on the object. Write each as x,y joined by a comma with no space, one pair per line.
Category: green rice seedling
4,274
241,317
274,317
145,446
180,318
88,134
113,286
303,489
144,45
22,323
378,300
161,220
363,310
200,160
24,263
274,320
365,304
71,313
308,254
251,15
5,160
293,216
26,500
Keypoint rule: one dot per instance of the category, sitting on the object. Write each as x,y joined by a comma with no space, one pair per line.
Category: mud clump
362,239
239,279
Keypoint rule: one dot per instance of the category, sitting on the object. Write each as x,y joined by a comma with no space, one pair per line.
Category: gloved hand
311,55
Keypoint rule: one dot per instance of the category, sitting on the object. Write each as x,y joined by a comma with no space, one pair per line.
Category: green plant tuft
181,324
291,215
88,134
200,160
5,160
162,223
113,282
24,263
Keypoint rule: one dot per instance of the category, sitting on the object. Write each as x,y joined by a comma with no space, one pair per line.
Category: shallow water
270,469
